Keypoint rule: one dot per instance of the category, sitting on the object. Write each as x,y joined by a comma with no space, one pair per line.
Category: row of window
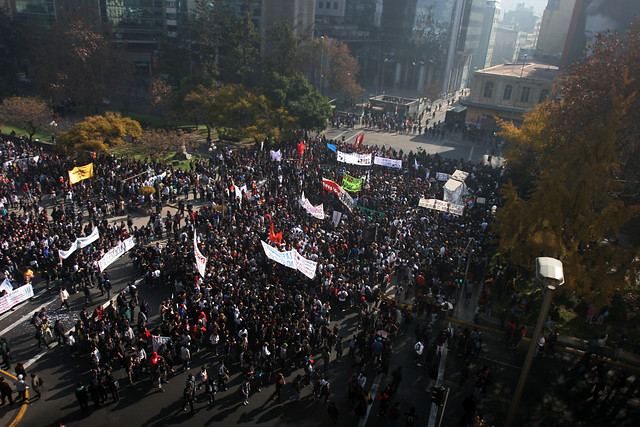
328,4
525,93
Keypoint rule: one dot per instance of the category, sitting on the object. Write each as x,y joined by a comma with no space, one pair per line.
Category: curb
23,407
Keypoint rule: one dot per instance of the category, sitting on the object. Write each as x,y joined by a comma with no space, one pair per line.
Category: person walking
5,351
64,296
6,391
325,389
245,389
297,387
223,376
36,384
21,388
187,396
280,383
211,389
82,395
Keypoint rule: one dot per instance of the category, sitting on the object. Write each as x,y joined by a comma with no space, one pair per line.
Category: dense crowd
247,313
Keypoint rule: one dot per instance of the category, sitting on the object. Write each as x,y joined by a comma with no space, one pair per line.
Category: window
328,5
526,93
335,4
544,94
508,89
488,89
320,4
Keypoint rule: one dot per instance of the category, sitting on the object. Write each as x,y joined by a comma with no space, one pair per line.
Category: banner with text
384,161
15,297
354,158
441,205
80,243
201,260
115,253
342,194
315,211
351,183
291,259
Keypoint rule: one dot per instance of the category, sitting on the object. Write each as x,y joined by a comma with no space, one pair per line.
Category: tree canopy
573,175
99,133
296,95
28,113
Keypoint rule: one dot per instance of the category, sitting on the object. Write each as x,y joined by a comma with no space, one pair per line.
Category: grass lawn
42,136
136,153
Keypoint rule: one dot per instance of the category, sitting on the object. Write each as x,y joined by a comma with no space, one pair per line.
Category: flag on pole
275,238
79,173
201,260
358,142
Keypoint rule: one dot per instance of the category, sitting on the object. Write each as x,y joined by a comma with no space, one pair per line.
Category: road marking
501,363
8,313
23,408
433,413
26,316
372,393
470,153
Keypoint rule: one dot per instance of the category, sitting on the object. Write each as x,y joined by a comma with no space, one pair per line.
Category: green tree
284,53
296,95
99,134
335,70
28,113
156,144
572,193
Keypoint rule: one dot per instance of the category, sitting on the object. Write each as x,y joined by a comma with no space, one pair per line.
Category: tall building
554,29
489,13
299,13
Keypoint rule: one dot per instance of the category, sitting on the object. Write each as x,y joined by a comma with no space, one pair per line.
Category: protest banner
351,183
115,253
291,259
79,173
201,260
80,243
384,161
441,205
342,194
15,297
315,211
354,158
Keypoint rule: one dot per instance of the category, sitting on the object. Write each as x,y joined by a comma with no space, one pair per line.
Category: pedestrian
36,384
397,378
82,395
297,387
211,389
58,330
617,352
64,296
245,389
385,400
223,376
185,355
419,349
6,391
280,383
325,389
5,351
187,397
21,388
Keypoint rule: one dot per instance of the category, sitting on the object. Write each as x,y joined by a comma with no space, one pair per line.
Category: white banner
336,218
20,161
342,194
291,259
315,211
80,243
115,253
441,176
157,341
441,205
276,156
6,286
201,260
354,158
15,297
460,175
151,181
384,161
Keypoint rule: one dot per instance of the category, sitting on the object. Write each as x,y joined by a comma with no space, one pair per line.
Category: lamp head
549,271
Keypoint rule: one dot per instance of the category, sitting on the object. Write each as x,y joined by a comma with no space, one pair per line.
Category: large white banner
441,205
116,253
151,181
384,161
80,243
441,176
15,297
201,260
276,156
354,158
20,161
315,211
6,286
291,259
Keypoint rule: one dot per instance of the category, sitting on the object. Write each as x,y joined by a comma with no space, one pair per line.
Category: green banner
351,183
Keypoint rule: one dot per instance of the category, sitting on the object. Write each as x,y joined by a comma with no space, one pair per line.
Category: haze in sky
538,5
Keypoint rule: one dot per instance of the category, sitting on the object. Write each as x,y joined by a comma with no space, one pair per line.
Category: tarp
115,253
79,173
384,161
201,260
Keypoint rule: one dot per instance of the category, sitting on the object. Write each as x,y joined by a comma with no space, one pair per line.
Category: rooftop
528,70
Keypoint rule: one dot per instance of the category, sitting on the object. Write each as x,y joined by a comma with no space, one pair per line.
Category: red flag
358,142
300,148
275,238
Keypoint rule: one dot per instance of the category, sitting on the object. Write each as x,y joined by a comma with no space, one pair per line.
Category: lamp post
383,64
322,65
549,272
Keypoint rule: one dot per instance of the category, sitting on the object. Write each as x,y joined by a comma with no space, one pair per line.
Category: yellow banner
79,173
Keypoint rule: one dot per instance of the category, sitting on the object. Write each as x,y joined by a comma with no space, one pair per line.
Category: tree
238,113
296,95
157,143
572,193
99,133
161,96
342,70
284,50
28,113
193,99
76,61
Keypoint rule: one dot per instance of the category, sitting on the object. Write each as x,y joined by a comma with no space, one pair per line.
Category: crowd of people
246,313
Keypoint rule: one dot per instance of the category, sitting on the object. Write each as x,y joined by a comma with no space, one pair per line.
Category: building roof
528,70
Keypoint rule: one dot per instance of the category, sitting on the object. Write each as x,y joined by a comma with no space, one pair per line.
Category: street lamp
321,64
383,64
550,273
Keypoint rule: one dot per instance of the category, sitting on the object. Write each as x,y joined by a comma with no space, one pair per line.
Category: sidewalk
463,315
